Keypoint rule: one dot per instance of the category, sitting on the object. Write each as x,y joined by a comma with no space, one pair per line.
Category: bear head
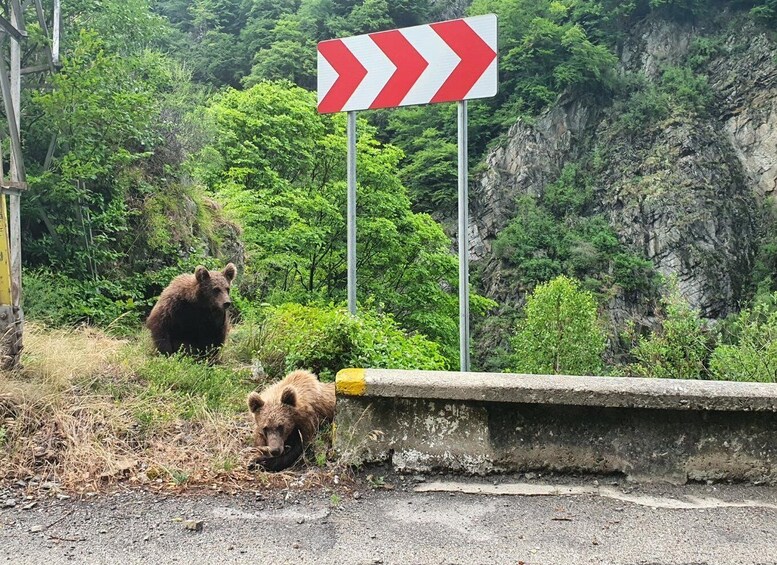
213,286
274,422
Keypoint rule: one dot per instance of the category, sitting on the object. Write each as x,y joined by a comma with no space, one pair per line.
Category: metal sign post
351,213
452,61
463,240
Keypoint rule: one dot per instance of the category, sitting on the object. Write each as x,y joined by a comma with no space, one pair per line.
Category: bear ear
201,273
229,272
289,397
255,402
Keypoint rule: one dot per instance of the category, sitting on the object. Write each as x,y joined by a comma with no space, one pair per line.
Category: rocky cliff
687,190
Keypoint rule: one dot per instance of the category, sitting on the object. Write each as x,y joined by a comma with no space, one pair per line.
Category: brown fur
299,403
191,313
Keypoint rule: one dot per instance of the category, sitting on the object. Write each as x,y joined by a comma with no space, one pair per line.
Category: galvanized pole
55,34
351,212
463,240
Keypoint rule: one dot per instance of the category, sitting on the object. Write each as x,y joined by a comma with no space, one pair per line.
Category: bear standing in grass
191,313
287,416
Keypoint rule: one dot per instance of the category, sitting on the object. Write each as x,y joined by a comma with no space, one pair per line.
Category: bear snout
276,451
227,305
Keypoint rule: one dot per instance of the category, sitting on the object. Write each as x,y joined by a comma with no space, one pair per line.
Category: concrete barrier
480,423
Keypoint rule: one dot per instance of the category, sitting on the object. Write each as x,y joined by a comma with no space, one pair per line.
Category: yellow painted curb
351,382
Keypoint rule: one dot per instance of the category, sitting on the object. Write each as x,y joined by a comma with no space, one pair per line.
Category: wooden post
11,315
18,174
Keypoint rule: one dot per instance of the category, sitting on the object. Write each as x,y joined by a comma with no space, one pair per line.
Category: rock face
686,194
746,84
531,157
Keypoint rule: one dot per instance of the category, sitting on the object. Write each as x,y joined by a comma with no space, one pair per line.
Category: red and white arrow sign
440,62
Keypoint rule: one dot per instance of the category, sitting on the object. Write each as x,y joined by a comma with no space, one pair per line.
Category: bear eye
216,290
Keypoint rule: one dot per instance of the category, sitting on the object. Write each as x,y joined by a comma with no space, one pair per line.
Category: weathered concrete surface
647,429
606,392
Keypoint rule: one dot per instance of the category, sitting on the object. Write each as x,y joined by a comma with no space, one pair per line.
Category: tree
103,107
561,333
679,348
282,177
753,356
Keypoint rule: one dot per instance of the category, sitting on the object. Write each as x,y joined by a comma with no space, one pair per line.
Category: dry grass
89,411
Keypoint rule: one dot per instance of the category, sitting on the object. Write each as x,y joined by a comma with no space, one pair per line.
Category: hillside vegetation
186,133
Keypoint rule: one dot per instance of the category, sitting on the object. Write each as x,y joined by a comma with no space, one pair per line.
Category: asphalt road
511,521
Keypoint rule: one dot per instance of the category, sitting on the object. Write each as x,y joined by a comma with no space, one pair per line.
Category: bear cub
287,416
191,313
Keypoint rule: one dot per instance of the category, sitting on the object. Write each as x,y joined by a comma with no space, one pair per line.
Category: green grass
194,385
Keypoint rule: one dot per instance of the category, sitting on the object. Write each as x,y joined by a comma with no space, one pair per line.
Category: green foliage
765,264
752,354
58,300
119,128
765,12
431,175
703,49
690,92
232,41
293,211
125,26
557,234
679,92
545,50
686,8
327,339
561,333
679,348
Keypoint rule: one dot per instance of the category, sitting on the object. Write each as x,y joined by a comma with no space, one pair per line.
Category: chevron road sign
439,62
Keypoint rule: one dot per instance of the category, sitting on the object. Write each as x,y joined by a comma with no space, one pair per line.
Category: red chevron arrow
475,55
409,62
350,73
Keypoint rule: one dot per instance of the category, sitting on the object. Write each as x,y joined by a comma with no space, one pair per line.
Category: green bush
690,92
557,234
679,348
561,333
753,356
58,300
327,339
765,12
679,92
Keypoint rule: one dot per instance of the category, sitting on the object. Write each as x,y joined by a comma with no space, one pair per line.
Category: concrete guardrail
480,423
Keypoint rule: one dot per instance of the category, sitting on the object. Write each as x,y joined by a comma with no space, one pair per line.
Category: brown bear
287,415
191,313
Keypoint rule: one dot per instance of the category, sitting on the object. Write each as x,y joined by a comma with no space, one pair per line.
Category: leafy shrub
327,339
679,91
689,92
703,49
765,12
557,234
561,333
58,300
753,356
646,106
679,348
